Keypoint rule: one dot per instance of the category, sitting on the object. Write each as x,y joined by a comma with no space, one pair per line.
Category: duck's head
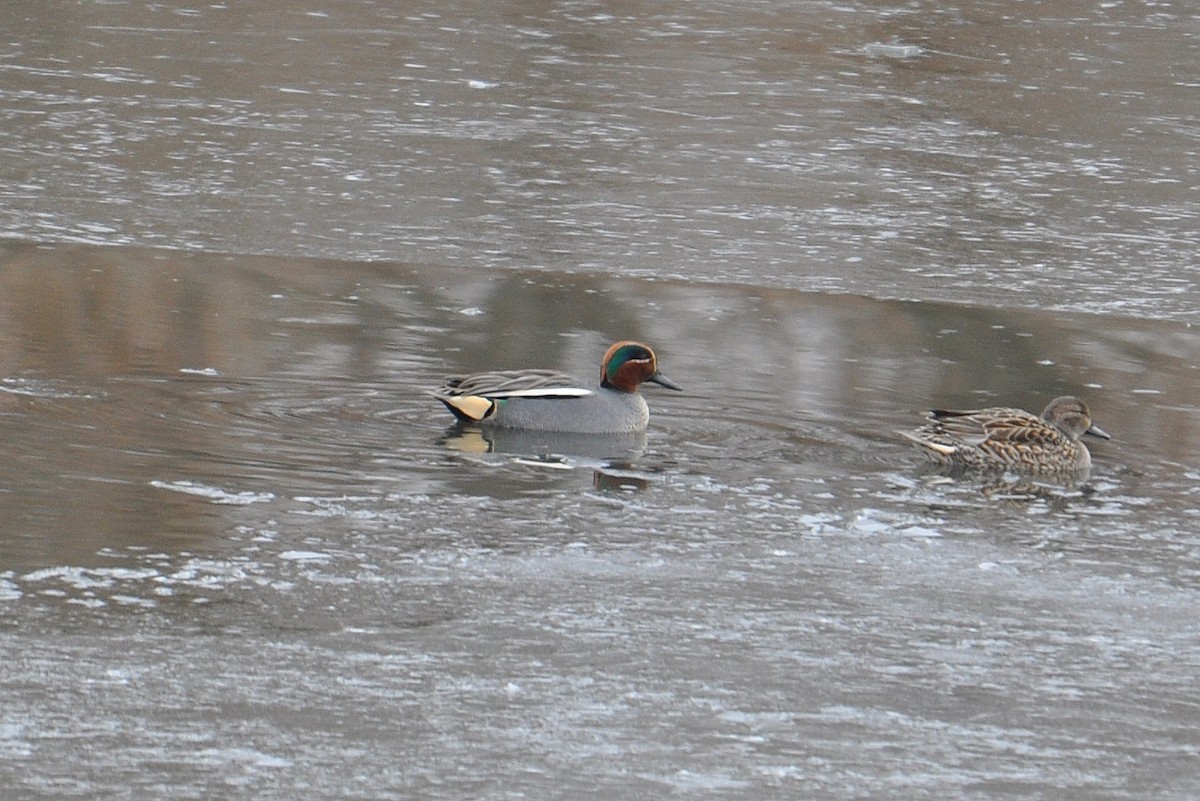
1070,415
627,364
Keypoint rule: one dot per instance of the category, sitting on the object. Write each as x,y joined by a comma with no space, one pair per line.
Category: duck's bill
1097,431
663,381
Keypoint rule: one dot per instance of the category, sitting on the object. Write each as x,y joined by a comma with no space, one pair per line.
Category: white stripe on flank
545,392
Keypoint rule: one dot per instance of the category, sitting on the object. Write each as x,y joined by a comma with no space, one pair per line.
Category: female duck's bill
1003,438
548,400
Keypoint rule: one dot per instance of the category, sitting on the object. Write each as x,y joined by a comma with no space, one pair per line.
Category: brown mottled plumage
1001,438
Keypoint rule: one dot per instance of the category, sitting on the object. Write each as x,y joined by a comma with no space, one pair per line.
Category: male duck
547,400
1001,438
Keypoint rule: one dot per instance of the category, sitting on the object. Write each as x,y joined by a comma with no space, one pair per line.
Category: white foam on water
215,494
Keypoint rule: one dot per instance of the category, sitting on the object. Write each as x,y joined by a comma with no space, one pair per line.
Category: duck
547,400
1004,438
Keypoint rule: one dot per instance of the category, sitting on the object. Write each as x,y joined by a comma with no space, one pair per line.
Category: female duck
1001,438
546,400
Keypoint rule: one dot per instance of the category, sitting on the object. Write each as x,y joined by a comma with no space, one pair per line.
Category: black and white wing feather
474,397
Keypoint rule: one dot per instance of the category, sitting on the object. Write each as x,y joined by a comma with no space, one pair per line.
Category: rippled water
244,549
244,554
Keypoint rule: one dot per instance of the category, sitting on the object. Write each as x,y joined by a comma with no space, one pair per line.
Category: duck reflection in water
610,456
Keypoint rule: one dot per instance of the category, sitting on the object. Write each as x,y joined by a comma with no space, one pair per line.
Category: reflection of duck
1001,438
517,441
546,400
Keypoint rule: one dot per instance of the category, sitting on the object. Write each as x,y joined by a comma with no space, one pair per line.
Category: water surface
244,554
1003,152
243,549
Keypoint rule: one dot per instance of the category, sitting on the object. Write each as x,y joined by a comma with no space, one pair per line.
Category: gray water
244,554
1032,154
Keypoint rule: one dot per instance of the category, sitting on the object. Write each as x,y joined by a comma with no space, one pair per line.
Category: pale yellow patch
473,406
469,442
